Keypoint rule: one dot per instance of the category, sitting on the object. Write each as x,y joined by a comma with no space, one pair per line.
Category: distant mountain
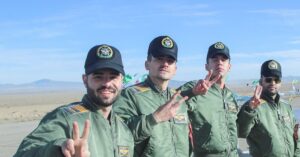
52,85
41,85
291,78
286,79
175,84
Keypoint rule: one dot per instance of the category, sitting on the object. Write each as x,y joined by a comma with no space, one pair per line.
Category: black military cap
271,68
101,57
163,46
217,48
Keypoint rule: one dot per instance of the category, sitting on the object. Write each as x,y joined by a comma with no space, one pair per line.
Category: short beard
268,93
97,100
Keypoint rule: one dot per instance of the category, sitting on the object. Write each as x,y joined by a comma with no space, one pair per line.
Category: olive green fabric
269,128
213,118
166,139
106,138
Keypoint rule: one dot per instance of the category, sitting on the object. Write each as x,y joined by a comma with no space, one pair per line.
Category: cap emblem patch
219,45
167,42
104,52
272,65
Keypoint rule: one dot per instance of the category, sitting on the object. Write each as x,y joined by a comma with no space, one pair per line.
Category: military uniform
138,103
213,118
107,138
213,114
166,139
269,128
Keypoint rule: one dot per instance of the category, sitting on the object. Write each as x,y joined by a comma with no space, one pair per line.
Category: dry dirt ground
20,113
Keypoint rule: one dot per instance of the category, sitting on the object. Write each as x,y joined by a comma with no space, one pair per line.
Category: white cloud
40,59
289,17
188,10
295,41
279,12
295,54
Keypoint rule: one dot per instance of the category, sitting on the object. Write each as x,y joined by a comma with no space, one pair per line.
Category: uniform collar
88,103
149,82
217,86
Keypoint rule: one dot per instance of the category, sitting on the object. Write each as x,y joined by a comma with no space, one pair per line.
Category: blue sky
50,39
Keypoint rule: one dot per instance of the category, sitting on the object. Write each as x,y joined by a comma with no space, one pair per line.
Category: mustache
112,89
165,68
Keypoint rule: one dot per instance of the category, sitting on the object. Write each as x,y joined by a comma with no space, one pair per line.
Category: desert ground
21,112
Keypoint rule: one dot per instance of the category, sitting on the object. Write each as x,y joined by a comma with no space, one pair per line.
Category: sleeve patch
140,88
75,108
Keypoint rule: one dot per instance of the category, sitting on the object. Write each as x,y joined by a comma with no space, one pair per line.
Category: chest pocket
180,118
288,122
124,151
286,119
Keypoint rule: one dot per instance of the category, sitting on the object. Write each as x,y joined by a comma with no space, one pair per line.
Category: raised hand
255,100
169,109
77,146
202,86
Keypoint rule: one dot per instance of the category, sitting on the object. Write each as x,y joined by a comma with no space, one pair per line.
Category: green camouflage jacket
166,139
269,128
213,117
106,138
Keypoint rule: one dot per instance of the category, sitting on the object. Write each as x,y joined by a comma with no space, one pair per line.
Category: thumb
177,104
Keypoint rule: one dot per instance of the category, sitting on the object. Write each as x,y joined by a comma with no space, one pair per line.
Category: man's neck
105,111
221,82
159,83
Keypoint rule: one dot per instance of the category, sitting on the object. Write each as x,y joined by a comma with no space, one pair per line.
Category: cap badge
272,65
167,42
219,45
104,52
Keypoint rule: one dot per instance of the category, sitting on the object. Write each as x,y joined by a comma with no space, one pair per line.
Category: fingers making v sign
77,146
169,109
202,86
255,100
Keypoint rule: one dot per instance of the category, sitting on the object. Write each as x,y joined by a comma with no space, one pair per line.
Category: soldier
89,127
152,110
212,107
266,120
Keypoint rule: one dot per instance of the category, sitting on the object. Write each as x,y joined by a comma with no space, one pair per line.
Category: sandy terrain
20,113
12,134
32,106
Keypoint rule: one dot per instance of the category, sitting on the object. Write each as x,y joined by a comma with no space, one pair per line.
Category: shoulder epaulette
284,101
141,87
76,107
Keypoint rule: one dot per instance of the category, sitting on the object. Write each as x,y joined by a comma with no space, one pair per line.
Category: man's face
270,85
103,86
161,68
220,65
